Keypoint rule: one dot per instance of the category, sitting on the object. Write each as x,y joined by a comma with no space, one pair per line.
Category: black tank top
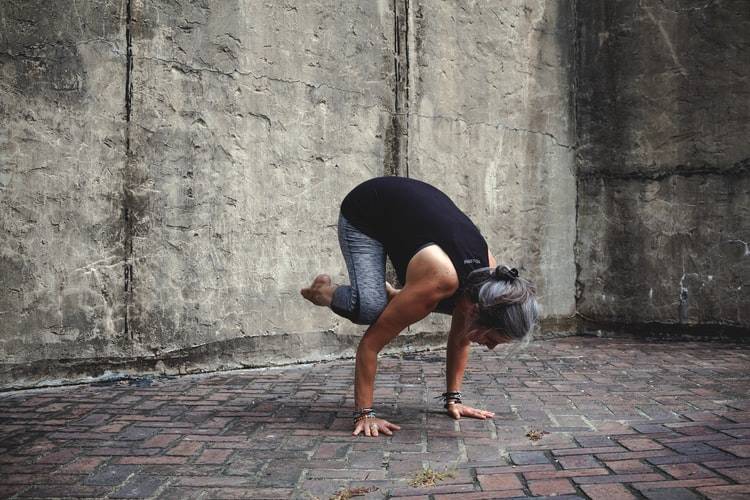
406,215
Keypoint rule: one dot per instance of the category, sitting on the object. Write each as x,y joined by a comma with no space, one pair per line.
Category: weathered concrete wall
62,153
663,117
170,172
490,124
251,120
171,178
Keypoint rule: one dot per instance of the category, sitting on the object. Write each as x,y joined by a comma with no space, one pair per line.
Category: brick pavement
623,419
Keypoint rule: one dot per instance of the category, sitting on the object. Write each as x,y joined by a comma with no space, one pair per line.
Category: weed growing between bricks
429,477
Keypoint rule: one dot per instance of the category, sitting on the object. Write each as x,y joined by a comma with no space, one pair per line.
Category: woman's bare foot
390,291
321,291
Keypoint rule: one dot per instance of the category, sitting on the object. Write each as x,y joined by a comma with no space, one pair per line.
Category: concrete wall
250,121
171,172
62,156
663,117
490,123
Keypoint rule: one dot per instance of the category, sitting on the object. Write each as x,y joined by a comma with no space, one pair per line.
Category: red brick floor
623,419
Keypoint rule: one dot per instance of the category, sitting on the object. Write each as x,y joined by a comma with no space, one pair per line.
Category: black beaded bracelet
363,413
450,398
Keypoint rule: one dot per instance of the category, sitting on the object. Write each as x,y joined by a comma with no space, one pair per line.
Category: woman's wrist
451,398
362,414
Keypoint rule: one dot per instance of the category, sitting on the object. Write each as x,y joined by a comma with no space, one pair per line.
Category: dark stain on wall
44,49
392,142
662,115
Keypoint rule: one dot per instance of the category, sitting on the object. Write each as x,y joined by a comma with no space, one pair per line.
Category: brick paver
618,419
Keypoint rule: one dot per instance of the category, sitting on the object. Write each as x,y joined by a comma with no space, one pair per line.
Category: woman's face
487,336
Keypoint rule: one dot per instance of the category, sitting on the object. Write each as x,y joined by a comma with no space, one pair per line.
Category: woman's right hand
458,410
373,426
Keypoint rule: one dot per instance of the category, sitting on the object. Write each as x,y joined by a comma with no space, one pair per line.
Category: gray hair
505,301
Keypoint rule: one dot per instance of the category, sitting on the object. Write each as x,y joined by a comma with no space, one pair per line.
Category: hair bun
505,274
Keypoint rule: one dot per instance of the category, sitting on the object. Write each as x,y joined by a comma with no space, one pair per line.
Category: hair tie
505,274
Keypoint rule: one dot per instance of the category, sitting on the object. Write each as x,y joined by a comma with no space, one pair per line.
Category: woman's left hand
459,410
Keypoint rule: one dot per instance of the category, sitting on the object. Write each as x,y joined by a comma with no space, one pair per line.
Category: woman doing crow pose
444,264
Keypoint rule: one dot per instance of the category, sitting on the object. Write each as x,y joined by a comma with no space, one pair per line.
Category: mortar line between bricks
299,487
162,488
718,474
603,464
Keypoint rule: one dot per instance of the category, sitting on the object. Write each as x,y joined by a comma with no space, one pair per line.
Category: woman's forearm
410,305
456,359
365,368
458,346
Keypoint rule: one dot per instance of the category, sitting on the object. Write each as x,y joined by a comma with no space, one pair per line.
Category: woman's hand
458,410
374,426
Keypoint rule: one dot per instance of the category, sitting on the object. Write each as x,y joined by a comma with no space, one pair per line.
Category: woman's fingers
478,413
473,412
373,427
458,410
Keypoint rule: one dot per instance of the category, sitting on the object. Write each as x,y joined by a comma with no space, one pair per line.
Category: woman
445,266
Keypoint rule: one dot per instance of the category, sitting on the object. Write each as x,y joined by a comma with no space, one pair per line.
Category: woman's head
504,303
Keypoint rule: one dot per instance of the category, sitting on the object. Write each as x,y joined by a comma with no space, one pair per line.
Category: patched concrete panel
663,116
673,250
663,84
251,121
62,150
490,124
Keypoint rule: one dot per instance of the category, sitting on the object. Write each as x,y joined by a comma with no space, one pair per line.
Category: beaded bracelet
450,398
363,413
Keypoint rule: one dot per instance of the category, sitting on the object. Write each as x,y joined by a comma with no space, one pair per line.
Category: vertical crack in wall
127,192
396,161
398,138
573,96
405,89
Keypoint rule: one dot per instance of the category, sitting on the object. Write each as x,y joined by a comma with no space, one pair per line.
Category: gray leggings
364,298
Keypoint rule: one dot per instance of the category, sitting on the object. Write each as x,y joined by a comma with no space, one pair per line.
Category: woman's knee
370,307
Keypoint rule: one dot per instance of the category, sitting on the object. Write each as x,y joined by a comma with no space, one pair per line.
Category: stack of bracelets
450,398
362,414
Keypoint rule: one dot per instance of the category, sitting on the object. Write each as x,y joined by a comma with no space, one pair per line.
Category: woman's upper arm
456,335
412,304
491,259
430,278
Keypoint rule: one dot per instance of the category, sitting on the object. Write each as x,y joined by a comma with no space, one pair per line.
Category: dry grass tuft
429,477
536,435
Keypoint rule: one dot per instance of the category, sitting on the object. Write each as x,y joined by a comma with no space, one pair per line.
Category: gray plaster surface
252,120
662,85
62,154
490,125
